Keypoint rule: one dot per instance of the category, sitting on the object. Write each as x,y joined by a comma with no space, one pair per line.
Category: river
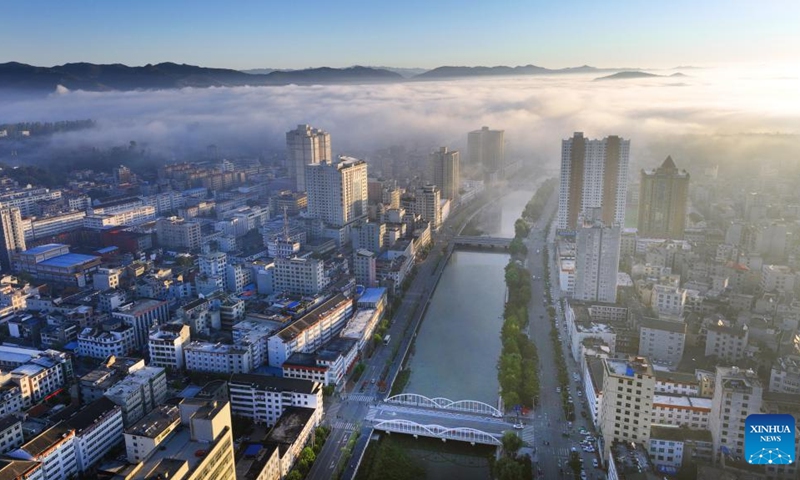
456,351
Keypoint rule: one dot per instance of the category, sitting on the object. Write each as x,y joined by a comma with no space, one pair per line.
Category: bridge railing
463,434
441,403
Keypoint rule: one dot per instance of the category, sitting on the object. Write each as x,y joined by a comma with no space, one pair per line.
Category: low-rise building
54,263
671,448
139,392
662,341
264,399
329,365
217,358
290,434
681,411
98,429
311,331
54,449
111,338
166,344
785,375
10,433
144,436
727,343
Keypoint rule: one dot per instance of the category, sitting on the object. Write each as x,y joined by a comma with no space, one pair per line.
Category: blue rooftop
68,260
43,248
372,295
107,250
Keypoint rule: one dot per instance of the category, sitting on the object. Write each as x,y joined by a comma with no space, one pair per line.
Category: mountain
92,77
454,72
635,74
405,72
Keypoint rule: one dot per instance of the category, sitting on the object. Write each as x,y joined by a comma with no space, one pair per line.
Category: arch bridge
462,434
440,403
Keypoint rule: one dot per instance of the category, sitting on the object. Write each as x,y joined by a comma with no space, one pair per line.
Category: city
220,270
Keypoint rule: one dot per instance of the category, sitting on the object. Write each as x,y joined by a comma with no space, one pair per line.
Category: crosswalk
341,424
528,436
360,397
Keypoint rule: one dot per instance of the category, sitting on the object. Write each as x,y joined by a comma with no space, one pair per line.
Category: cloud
536,113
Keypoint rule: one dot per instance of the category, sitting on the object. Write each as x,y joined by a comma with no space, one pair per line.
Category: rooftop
682,401
289,427
251,459
355,326
47,439
659,432
275,384
68,260
90,414
372,295
44,248
155,422
312,318
180,449
209,347
664,325
675,377
629,367
630,460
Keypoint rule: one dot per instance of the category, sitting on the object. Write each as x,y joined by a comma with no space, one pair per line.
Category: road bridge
482,242
465,421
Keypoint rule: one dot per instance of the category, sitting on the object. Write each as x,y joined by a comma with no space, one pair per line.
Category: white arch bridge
463,420
463,434
440,403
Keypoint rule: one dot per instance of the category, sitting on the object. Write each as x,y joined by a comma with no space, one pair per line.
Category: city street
549,422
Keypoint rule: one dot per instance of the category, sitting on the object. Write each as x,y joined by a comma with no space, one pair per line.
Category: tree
508,469
294,475
511,444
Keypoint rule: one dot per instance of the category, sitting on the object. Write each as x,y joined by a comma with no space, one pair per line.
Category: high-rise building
486,148
446,172
13,235
597,262
662,201
594,174
627,404
306,145
427,205
737,394
337,192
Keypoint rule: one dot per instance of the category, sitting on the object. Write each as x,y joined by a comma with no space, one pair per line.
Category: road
549,421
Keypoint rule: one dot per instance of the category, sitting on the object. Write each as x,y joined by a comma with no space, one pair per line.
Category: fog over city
720,115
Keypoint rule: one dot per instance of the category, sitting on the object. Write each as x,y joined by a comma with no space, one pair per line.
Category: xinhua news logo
769,439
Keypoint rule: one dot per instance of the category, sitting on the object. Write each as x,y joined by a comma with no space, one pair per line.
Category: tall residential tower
446,172
13,236
337,192
486,148
662,201
594,174
306,145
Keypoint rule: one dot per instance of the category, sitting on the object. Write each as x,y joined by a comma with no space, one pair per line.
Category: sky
410,33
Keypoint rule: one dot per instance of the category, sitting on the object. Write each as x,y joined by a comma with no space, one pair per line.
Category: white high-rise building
13,235
627,404
306,145
737,394
427,204
594,174
337,192
596,263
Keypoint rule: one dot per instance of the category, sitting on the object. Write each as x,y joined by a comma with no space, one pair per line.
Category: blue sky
403,33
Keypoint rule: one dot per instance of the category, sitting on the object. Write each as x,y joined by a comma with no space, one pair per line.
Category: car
373,381
583,475
518,426
580,394
595,463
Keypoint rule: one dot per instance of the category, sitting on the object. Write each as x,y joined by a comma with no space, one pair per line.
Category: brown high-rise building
594,175
662,201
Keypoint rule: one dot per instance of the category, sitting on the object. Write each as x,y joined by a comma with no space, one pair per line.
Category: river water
458,345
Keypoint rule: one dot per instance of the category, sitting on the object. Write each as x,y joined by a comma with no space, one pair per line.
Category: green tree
511,444
508,469
294,475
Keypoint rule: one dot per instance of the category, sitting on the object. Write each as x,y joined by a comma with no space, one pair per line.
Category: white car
518,426
595,463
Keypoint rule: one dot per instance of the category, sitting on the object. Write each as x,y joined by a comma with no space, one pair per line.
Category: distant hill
635,74
92,77
454,72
